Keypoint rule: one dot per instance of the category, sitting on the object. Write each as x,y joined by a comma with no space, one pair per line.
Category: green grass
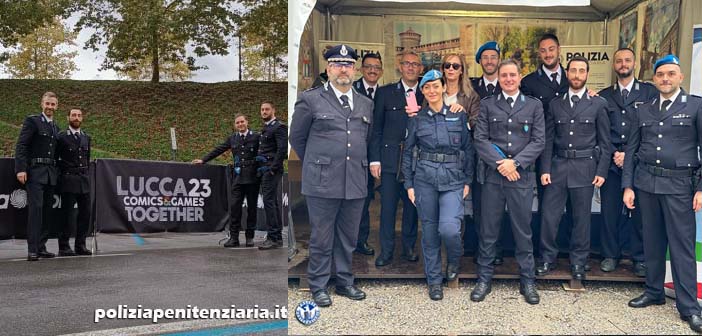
132,119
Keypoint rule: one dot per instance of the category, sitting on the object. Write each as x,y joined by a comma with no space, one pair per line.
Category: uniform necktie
370,92
75,136
625,93
491,89
554,78
575,99
664,105
345,101
510,101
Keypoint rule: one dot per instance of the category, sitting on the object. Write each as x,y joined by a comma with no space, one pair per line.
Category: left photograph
143,167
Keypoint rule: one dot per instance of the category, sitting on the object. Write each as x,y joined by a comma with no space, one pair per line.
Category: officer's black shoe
644,301
640,269
529,292
695,322
498,261
587,267
578,272
249,242
609,264
364,248
350,292
544,268
270,244
481,290
382,261
45,254
81,250
451,272
409,255
322,298
436,293
67,252
32,257
232,242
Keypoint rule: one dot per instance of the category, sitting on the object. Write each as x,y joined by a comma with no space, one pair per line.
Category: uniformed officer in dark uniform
661,170
272,151
244,147
329,132
73,148
488,56
390,124
576,158
623,99
549,80
440,143
35,165
372,70
509,137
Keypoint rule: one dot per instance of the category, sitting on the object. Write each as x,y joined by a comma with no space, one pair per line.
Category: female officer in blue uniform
438,166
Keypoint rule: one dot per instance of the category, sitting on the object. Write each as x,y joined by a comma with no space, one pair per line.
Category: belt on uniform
438,157
574,154
247,162
660,171
45,161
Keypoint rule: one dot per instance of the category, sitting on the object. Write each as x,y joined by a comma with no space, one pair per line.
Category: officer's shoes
609,264
578,272
81,250
270,244
410,255
322,298
436,293
644,301
351,292
67,252
249,242
232,242
695,322
451,272
640,269
45,254
382,261
529,292
32,257
498,261
481,290
544,268
364,249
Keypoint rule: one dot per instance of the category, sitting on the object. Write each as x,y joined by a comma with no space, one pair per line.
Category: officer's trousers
364,228
519,202
239,192
40,200
271,206
68,201
554,202
615,221
334,224
390,193
669,222
441,213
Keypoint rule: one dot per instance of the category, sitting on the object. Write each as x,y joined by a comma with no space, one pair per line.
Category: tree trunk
154,55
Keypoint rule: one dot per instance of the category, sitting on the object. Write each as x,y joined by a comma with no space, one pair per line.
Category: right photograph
510,167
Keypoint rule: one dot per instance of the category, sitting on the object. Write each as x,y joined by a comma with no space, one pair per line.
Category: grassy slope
132,119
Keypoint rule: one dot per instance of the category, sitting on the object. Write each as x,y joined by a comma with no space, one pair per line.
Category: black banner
150,196
13,201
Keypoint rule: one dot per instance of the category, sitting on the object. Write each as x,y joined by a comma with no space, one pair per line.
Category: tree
42,54
18,18
169,71
157,30
265,40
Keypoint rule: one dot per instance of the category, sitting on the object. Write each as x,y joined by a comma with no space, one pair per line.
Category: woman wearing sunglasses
438,165
459,90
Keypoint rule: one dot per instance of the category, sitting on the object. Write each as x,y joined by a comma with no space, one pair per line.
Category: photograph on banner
696,67
142,142
600,59
660,34
627,30
519,43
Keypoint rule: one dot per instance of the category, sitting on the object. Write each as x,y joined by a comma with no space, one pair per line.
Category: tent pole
328,31
605,36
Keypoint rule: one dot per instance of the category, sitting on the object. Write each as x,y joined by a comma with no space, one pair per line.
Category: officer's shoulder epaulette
486,97
312,88
601,98
386,86
532,97
696,96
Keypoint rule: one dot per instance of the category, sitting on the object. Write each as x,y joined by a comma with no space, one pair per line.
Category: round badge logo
343,51
307,312
18,198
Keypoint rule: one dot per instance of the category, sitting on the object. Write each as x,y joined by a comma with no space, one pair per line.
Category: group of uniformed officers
432,143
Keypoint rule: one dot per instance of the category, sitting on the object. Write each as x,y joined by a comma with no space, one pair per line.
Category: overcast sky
220,68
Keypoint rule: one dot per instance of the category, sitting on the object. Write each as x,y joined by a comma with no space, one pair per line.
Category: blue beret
490,45
667,59
341,53
429,76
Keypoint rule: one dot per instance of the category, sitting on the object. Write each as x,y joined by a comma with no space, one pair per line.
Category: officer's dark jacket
584,129
73,162
517,131
669,140
443,133
332,142
37,140
244,153
621,111
539,85
389,125
480,87
273,144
